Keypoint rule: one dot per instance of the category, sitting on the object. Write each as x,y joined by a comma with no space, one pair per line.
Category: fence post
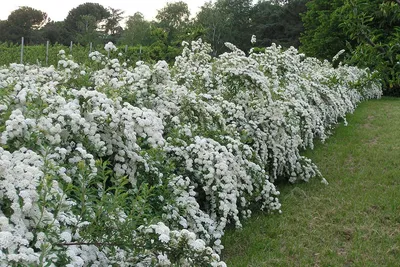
47,53
70,48
126,49
22,50
140,53
91,47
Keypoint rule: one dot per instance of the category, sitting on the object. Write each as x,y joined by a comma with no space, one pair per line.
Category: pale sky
58,9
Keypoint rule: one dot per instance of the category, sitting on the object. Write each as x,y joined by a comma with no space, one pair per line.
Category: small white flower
6,239
198,245
66,236
253,39
164,238
110,47
163,260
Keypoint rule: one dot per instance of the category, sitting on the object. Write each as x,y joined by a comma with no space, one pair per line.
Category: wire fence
47,54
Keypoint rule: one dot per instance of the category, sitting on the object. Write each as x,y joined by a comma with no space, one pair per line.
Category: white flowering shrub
146,165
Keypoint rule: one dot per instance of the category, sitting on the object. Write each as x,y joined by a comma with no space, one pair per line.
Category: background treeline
216,23
369,30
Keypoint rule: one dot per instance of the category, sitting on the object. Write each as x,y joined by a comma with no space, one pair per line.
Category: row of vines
40,55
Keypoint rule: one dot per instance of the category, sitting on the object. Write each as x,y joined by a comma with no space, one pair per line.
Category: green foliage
10,53
375,27
173,19
233,21
37,54
137,31
369,30
323,37
22,22
55,32
226,21
105,195
236,21
83,21
278,22
237,17
212,21
112,26
173,16
162,39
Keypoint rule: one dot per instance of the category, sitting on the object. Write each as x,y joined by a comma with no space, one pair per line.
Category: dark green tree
374,27
226,21
25,22
174,20
112,26
137,31
292,11
55,32
4,31
368,29
323,37
237,22
211,20
83,22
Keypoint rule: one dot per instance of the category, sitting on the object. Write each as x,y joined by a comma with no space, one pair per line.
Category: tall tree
137,31
267,23
236,14
25,22
212,21
112,26
55,32
226,21
173,19
83,22
278,22
87,26
323,37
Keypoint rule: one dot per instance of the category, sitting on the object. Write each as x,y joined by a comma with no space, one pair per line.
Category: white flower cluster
226,176
278,100
110,47
192,147
68,64
28,228
96,56
61,54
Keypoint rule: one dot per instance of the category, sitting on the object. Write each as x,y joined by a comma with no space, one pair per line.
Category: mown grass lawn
354,221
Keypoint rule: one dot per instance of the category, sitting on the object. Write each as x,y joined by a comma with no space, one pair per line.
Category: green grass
354,221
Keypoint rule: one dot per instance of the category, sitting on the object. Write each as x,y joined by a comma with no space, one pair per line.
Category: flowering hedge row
112,165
